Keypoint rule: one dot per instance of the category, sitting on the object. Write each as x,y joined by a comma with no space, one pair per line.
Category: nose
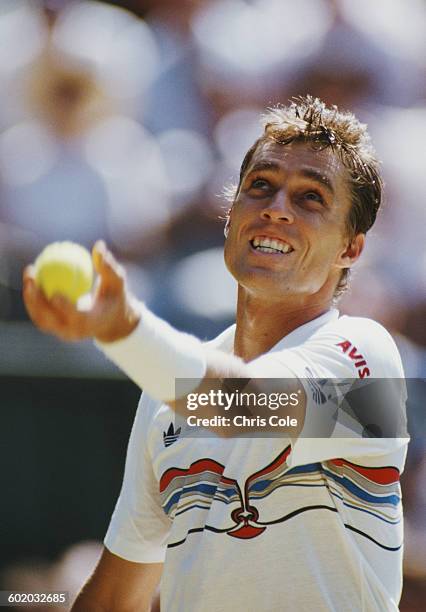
278,208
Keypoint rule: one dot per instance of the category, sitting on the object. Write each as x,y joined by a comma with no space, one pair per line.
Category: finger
69,334
58,316
38,307
78,322
112,274
28,274
34,298
99,249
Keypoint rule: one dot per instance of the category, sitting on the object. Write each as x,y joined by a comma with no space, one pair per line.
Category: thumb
111,274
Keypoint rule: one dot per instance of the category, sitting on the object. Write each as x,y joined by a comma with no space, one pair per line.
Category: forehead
298,156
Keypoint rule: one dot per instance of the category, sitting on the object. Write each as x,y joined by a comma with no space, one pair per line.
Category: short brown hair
309,120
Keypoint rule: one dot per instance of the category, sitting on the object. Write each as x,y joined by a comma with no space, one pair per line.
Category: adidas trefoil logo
171,436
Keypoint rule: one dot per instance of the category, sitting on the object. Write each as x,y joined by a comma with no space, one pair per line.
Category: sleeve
340,368
139,529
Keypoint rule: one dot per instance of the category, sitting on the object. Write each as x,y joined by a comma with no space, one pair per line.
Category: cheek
226,253
230,249
235,225
326,247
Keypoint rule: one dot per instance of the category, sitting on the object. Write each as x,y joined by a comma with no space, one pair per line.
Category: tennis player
295,522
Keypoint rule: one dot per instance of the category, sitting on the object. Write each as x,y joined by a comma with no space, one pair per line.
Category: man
263,524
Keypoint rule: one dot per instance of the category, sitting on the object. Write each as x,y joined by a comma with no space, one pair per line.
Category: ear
352,252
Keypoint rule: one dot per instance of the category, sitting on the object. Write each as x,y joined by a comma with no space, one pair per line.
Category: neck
262,323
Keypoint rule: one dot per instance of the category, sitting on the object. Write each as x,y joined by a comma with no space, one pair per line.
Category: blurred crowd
126,120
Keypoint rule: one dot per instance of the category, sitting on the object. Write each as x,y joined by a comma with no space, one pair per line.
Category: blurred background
124,121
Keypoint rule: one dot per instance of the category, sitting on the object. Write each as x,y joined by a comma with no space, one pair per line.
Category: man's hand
110,314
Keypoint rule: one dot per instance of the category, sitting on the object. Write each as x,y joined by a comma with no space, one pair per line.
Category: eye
260,183
314,196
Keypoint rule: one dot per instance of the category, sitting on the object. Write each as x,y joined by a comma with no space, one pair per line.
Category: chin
268,282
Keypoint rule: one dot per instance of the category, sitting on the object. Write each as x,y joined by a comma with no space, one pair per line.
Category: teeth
266,250
271,245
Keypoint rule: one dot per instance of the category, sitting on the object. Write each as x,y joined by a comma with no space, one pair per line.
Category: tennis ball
65,268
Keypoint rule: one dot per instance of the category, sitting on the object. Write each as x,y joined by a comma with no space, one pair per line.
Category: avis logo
171,435
358,359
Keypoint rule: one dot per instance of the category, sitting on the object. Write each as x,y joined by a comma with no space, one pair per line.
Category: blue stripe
199,488
360,493
366,511
345,482
302,469
228,492
261,485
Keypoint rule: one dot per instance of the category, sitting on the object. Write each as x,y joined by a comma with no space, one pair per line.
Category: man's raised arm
151,352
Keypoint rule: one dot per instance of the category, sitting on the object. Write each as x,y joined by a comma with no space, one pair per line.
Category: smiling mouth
272,246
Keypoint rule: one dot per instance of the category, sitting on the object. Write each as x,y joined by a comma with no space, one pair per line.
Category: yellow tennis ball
65,268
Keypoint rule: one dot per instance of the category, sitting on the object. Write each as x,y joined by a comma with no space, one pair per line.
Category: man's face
287,230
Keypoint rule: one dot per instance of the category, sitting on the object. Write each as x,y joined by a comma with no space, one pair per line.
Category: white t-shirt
266,524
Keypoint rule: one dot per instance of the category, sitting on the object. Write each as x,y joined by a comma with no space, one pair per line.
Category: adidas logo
171,436
316,386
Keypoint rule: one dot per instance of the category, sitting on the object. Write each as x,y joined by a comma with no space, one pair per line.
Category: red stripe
203,465
381,475
225,480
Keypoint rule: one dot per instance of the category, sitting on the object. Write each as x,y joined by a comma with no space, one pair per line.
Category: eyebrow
263,165
311,173
319,177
